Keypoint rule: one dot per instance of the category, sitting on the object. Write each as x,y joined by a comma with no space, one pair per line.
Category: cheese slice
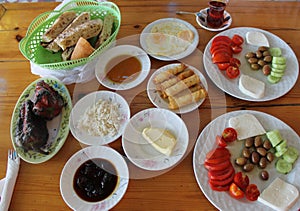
162,140
257,38
279,195
251,86
246,126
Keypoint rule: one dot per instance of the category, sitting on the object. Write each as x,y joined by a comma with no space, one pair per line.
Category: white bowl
84,103
67,176
143,154
104,59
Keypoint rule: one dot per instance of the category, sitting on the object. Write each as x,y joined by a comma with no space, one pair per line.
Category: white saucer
202,23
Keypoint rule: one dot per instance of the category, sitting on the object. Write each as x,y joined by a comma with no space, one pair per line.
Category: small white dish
67,176
202,20
84,103
130,50
143,154
158,101
190,49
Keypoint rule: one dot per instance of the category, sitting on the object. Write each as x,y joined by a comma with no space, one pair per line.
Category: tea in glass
215,16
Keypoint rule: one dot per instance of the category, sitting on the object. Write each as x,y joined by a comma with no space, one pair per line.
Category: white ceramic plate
230,86
66,179
188,51
203,24
100,69
222,200
58,127
89,100
143,154
159,102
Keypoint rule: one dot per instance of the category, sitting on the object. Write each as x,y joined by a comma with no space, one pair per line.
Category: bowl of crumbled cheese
99,118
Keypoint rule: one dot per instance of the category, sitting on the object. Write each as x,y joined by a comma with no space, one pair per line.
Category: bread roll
107,29
82,49
87,30
58,26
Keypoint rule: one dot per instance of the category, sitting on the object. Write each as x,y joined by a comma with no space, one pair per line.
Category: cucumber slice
280,153
291,154
275,51
276,74
273,69
279,66
274,137
282,166
278,60
281,146
272,79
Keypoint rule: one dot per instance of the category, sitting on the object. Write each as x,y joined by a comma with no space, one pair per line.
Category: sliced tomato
223,182
221,50
236,49
217,166
223,38
217,153
218,46
235,62
235,191
237,39
218,160
223,66
221,57
229,134
221,142
241,180
232,72
218,187
221,175
252,192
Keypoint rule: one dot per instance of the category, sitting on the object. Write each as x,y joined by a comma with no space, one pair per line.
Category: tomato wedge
229,134
223,66
236,49
235,62
235,191
237,39
221,57
241,180
232,72
252,192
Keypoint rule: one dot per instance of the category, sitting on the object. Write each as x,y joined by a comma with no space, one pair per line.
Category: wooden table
37,187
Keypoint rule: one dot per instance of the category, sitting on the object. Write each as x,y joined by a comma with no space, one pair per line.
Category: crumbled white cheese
101,119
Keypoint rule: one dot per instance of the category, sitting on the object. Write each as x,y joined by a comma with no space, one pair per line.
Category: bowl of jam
96,176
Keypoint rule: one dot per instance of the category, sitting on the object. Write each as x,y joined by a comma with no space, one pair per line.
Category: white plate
89,100
143,154
66,179
58,127
159,102
204,25
222,200
230,86
188,51
100,69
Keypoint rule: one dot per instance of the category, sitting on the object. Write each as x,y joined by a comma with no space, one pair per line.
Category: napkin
7,184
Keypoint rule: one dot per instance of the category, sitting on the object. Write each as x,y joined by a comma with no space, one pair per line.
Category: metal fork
12,154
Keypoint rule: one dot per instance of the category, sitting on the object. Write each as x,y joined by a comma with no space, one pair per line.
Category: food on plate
246,126
222,50
86,30
95,180
252,192
251,86
257,38
260,59
161,139
123,68
235,191
32,132
180,85
107,30
58,26
229,134
82,49
101,119
279,195
277,68
241,180
169,38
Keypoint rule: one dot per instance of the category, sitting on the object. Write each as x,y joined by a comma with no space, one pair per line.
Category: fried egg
169,38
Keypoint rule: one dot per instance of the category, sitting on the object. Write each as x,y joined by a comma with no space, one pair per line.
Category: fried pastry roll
165,75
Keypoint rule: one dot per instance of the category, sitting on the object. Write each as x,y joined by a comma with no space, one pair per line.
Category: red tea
215,16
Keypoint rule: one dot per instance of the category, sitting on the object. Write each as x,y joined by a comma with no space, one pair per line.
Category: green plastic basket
30,45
